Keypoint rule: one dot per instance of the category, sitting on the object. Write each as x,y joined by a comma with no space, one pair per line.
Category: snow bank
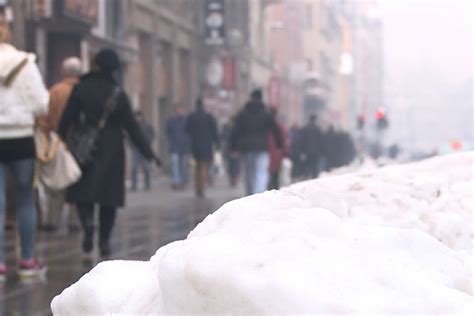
310,248
435,195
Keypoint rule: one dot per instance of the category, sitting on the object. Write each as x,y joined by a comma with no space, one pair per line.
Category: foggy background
429,67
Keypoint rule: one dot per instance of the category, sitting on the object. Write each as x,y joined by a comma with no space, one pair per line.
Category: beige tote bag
57,167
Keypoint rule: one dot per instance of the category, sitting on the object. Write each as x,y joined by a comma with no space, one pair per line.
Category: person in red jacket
276,154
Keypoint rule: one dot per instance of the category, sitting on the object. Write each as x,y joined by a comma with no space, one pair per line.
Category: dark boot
86,217
107,220
105,250
88,242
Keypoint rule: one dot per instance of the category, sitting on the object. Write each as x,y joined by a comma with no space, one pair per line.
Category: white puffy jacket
25,98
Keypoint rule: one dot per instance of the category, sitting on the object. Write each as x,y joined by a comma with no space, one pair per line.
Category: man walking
58,97
250,137
201,127
138,160
311,149
178,143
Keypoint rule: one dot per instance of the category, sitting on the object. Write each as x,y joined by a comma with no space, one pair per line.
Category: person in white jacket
23,97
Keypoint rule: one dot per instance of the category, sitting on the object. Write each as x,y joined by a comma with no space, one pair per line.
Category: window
114,19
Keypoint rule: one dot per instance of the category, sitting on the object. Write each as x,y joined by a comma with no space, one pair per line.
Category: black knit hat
107,60
257,94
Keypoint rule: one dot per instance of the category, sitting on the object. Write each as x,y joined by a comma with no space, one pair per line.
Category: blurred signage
85,11
230,73
215,72
43,8
346,64
215,26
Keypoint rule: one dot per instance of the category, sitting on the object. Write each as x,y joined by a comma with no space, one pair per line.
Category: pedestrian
102,179
294,133
23,98
311,148
232,159
139,161
276,154
201,127
393,151
58,97
178,144
295,151
330,145
348,148
250,138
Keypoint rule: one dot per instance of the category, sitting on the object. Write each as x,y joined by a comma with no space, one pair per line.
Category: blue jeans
256,171
179,168
22,171
140,162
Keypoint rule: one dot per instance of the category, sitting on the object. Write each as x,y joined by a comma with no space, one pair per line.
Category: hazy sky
437,33
428,61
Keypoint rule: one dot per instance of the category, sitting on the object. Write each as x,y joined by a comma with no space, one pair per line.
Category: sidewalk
150,220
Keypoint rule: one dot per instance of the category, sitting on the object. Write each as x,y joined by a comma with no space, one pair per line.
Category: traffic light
382,122
360,121
457,145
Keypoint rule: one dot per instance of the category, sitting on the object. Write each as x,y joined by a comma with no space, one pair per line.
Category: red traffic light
457,145
382,121
380,114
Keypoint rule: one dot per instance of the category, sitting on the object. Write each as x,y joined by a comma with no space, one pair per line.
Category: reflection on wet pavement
149,221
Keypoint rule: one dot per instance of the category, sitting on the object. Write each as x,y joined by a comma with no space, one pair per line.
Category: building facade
308,56
158,43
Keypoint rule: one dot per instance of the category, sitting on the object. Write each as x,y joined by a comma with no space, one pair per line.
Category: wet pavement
150,220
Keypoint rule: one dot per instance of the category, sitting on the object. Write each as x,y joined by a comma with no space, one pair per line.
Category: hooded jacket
23,95
252,127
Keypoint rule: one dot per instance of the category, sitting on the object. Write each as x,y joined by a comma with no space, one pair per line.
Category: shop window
114,19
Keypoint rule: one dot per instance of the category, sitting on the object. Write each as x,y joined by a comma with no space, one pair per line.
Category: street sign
215,24
215,72
86,11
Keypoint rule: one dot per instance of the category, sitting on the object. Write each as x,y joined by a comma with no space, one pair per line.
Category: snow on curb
368,242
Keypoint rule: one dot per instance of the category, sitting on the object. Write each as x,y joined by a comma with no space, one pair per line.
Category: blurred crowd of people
255,143
314,149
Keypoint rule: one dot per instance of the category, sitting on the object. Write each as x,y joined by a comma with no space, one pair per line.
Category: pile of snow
435,195
311,248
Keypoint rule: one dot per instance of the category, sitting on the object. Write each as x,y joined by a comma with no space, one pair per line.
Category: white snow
435,195
367,242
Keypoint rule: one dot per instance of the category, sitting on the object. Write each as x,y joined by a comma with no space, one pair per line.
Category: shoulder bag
83,141
57,167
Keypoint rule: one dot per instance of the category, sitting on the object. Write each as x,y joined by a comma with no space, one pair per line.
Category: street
149,221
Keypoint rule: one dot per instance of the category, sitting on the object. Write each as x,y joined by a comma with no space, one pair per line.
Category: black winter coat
252,128
102,182
202,130
312,141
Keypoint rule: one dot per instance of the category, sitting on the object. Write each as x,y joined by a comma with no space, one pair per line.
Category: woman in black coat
102,181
